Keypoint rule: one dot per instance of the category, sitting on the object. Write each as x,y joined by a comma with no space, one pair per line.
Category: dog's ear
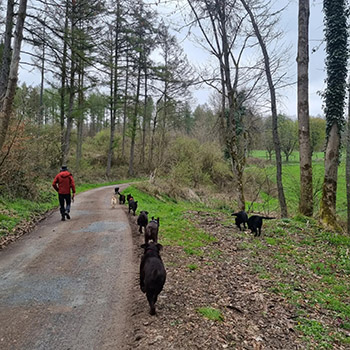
152,217
144,245
159,246
146,212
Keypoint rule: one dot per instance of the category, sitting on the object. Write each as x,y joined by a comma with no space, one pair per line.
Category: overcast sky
289,23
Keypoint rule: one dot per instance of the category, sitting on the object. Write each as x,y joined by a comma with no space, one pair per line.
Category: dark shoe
68,216
63,218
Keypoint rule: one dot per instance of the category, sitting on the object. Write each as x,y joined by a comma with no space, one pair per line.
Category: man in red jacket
63,183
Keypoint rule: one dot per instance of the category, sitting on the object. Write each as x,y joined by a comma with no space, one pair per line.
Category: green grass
310,269
174,229
291,184
192,267
211,313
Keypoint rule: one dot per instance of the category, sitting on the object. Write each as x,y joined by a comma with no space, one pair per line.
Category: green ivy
336,36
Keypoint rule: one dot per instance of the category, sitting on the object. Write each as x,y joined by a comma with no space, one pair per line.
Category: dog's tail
267,218
234,214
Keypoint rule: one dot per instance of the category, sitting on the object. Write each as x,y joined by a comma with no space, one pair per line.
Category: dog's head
151,246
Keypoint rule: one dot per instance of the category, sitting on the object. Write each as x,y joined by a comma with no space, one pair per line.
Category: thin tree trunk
348,164
63,89
125,109
6,109
67,134
306,191
237,165
281,196
151,149
329,190
80,122
144,123
134,121
6,54
72,89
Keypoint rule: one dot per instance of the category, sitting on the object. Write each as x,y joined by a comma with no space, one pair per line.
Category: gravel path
66,285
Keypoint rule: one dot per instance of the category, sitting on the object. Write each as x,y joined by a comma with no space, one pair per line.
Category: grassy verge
294,259
310,268
175,228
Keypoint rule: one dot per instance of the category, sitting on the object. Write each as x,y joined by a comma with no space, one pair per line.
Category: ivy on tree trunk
336,35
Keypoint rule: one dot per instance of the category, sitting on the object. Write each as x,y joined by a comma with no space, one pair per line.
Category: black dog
255,223
132,205
152,273
152,231
142,220
241,218
128,197
121,199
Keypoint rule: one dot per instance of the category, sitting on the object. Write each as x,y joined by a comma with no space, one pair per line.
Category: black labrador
255,224
152,273
241,218
142,220
121,199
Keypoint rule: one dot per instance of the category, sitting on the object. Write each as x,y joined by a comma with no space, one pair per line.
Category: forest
115,103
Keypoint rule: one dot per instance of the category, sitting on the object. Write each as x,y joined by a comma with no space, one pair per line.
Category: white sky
289,23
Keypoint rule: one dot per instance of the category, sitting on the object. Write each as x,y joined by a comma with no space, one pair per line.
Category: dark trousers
65,200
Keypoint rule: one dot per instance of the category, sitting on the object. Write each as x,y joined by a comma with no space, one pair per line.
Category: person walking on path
63,183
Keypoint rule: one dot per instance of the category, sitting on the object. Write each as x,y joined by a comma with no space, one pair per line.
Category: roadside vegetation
295,259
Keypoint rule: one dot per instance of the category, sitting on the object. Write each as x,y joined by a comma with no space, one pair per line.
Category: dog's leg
151,302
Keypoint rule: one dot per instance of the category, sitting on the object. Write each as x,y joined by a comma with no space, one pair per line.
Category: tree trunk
6,108
144,123
134,120
348,165
231,137
72,89
63,89
306,191
125,109
69,116
276,140
329,190
80,121
42,83
114,94
6,54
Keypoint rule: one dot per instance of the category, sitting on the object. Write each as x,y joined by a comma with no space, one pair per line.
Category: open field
291,182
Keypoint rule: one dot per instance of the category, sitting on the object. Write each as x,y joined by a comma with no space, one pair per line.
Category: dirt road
66,285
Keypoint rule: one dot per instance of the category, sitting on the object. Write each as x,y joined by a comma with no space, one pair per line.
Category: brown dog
152,229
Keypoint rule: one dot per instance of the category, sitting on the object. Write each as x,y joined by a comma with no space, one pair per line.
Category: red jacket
63,182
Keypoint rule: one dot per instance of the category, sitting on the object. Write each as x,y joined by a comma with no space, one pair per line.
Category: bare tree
6,101
269,77
220,24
